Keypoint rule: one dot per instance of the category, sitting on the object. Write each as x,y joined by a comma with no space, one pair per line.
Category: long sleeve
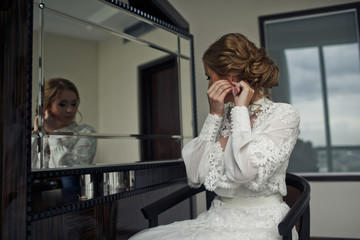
60,151
237,162
71,151
260,155
197,151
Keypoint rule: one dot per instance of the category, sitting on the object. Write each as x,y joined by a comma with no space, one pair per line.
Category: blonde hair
54,86
234,54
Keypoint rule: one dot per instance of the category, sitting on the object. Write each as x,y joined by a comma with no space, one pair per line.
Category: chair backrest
292,196
298,199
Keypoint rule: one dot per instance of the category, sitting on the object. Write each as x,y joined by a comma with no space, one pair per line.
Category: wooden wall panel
119,219
53,228
15,52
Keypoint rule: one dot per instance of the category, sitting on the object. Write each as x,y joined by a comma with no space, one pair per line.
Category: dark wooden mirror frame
16,85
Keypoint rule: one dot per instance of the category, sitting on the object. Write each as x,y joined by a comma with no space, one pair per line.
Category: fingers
243,93
49,121
216,96
46,114
219,90
36,124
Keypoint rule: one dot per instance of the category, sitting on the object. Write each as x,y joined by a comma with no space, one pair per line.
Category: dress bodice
255,158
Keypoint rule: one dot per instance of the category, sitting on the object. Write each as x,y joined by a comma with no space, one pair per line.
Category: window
317,52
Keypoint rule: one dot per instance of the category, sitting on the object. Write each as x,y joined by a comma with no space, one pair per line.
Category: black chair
298,199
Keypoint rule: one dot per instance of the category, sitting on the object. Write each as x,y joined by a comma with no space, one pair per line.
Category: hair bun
235,54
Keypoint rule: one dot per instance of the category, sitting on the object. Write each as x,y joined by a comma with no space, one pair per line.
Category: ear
233,78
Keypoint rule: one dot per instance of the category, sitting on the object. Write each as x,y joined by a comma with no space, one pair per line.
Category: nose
69,109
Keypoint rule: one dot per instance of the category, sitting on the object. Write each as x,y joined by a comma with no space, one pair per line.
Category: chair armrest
299,209
152,210
293,215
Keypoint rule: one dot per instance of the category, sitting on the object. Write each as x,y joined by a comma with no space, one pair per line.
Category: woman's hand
243,94
49,122
36,124
216,96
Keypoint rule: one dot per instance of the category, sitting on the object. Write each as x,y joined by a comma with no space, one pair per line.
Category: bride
242,151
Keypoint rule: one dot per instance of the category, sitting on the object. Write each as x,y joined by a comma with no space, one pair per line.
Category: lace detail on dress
216,176
241,121
226,129
216,168
211,127
224,221
60,151
262,113
226,124
272,159
265,155
228,221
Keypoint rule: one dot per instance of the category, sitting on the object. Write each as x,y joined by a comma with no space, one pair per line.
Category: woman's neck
256,97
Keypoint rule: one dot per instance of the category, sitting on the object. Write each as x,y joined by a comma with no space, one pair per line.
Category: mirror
134,79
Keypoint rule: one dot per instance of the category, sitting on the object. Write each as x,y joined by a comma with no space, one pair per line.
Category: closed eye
74,104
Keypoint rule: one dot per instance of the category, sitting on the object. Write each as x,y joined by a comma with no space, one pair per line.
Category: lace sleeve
238,167
210,128
270,152
196,152
70,151
254,158
35,163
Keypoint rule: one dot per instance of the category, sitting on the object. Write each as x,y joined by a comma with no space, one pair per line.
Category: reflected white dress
60,151
248,176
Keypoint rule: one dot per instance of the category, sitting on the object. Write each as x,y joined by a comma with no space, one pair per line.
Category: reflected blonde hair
234,54
53,87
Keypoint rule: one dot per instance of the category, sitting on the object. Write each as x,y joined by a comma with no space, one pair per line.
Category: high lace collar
259,105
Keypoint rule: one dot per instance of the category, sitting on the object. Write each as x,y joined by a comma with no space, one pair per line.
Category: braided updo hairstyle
234,54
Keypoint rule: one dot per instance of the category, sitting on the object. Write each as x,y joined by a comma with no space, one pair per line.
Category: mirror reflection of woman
61,102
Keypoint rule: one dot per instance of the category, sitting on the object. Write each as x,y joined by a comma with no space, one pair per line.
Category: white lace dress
65,151
248,176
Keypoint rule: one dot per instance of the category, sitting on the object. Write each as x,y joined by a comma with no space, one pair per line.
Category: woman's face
212,77
64,108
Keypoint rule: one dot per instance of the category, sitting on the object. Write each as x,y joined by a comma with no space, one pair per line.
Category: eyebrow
64,100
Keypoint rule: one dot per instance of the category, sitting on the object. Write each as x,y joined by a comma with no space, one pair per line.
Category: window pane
343,87
305,93
318,57
303,67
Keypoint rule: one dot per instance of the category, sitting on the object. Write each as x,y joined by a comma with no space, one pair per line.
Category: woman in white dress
61,102
242,151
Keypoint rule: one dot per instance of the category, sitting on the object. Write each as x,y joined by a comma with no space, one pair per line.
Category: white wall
118,93
334,208
80,68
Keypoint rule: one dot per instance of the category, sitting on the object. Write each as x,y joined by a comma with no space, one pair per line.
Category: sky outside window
343,87
305,92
